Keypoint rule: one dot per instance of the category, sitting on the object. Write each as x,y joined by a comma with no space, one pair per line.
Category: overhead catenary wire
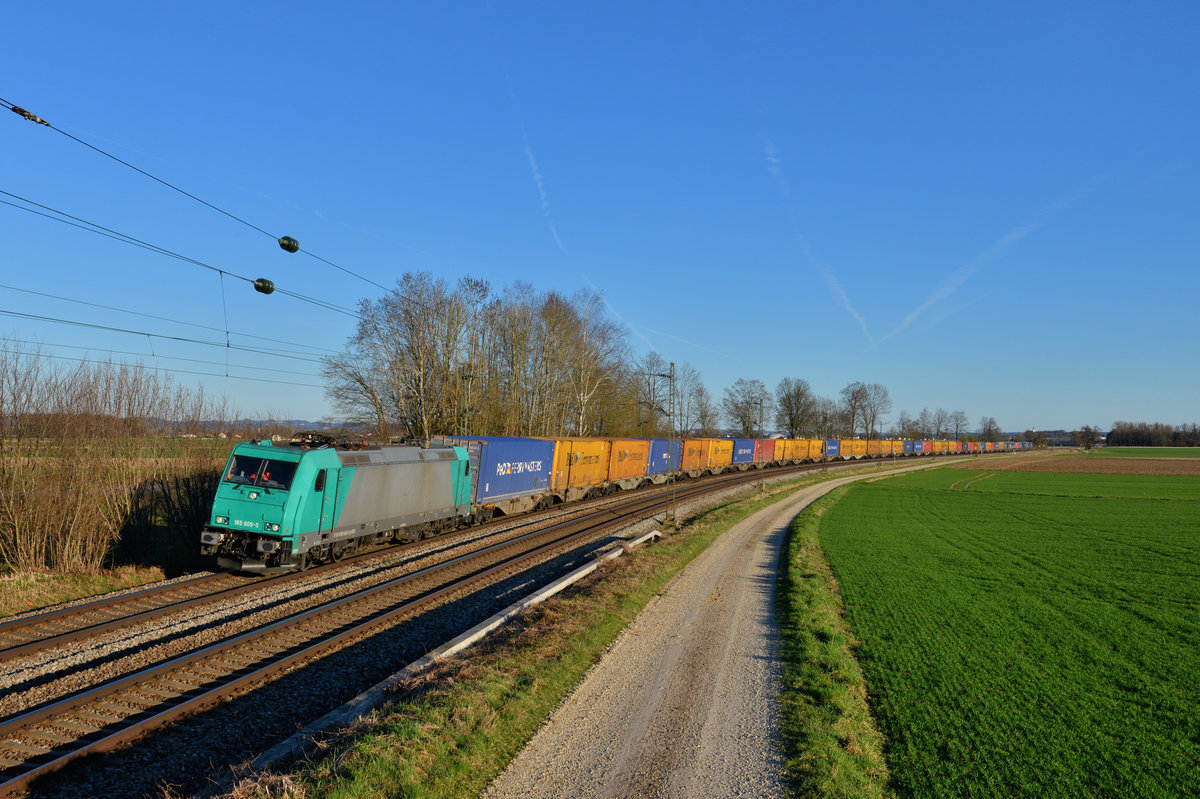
163,369
163,318
93,227
156,356
162,336
286,242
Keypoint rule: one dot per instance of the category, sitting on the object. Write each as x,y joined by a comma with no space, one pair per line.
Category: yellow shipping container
628,458
720,454
579,463
853,448
876,449
941,447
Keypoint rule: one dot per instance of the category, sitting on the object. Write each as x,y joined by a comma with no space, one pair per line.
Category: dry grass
25,591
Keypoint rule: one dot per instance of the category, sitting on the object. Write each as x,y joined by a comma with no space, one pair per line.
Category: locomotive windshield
259,471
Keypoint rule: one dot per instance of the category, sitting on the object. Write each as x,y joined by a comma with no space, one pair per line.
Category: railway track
106,716
81,622
85,621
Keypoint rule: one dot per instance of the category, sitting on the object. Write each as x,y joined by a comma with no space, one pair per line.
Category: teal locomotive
279,508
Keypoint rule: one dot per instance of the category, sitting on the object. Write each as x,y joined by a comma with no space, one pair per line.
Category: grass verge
25,591
456,727
830,743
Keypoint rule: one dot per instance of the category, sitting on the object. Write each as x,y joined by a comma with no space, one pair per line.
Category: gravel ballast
685,702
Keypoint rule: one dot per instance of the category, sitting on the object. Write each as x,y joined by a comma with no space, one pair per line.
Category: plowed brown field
1083,464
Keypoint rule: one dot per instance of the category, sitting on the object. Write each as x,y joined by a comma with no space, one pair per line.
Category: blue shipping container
504,467
833,448
909,447
743,450
665,456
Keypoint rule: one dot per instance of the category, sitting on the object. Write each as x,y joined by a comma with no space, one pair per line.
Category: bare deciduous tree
829,419
707,416
854,400
939,424
746,405
796,407
877,403
1087,436
989,429
958,424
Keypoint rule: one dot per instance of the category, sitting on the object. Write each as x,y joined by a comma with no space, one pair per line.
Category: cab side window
320,484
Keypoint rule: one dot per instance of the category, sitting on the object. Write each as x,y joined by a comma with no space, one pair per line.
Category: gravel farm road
685,702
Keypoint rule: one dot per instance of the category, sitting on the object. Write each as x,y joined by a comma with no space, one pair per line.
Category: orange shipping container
695,453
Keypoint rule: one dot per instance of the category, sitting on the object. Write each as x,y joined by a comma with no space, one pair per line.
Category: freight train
283,507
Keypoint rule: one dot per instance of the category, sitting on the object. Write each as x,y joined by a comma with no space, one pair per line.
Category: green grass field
1027,634
1147,452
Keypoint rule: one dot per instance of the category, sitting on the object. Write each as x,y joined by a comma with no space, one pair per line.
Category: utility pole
671,441
671,435
464,396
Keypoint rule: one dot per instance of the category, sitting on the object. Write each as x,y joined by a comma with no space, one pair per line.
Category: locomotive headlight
222,520
274,528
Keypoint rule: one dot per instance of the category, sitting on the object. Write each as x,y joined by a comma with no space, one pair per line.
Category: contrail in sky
839,294
775,168
955,279
774,165
541,187
539,180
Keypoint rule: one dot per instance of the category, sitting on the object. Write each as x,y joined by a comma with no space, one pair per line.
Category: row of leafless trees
1148,434
801,413
433,358
859,411
430,358
83,449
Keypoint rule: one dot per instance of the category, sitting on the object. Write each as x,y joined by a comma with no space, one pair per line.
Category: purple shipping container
504,467
743,450
665,456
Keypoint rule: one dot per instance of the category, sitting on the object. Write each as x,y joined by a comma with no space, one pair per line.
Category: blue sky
994,210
